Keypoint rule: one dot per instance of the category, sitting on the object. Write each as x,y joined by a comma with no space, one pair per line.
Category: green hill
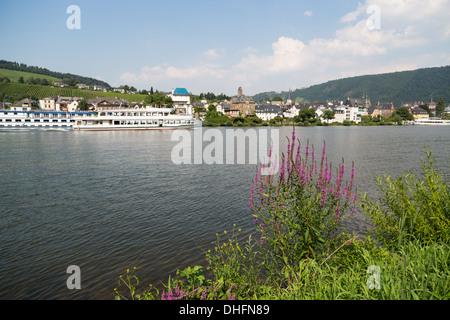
14,75
405,86
18,91
39,72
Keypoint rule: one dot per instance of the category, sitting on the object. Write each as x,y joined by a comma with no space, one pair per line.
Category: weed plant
303,250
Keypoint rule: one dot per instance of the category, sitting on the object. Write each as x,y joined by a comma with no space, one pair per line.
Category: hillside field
18,91
14,75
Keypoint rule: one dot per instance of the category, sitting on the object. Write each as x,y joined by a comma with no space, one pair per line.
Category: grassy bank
302,250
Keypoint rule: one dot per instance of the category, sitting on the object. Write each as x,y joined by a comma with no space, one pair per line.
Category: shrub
411,208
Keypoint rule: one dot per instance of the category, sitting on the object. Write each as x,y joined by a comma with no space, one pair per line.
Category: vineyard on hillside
16,91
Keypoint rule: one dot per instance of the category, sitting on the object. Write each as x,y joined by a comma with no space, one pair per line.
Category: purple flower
204,292
356,196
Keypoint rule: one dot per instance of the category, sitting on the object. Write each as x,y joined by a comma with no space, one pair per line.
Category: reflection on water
108,201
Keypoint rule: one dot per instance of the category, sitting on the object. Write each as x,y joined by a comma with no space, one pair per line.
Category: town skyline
216,47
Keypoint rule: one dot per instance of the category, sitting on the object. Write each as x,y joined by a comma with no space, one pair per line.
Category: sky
218,46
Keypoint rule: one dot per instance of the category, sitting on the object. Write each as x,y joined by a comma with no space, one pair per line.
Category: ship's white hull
432,122
133,119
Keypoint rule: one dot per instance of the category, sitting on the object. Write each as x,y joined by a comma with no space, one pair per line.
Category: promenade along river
108,201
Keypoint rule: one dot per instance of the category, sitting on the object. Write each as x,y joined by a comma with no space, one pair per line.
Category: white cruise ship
432,122
38,119
146,118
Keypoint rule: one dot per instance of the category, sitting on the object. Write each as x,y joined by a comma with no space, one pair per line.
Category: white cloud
214,53
168,76
352,16
308,13
356,48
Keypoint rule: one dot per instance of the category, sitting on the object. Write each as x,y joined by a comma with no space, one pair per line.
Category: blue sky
217,46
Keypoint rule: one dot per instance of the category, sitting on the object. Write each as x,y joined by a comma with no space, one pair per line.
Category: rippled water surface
108,201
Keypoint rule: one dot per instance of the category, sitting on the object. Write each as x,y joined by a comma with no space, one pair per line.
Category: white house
344,112
23,105
100,88
267,112
69,104
48,103
292,111
83,86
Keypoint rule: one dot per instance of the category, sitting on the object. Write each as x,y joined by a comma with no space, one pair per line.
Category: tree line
4,64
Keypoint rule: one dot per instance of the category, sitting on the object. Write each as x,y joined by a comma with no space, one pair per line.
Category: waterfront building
223,107
48,103
106,103
245,105
267,112
180,97
384,110
24,105
419,113
346,113
69,104
60,103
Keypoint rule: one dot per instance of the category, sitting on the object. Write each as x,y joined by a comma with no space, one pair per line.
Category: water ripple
108,201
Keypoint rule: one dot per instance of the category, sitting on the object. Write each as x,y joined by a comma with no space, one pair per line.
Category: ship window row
36,125
132,114
39,115
151,122
36,120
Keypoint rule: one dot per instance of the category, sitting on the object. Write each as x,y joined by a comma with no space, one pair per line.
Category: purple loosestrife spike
282,168
229,292
297,156
252,196
355,197
338,212
204,292
347,193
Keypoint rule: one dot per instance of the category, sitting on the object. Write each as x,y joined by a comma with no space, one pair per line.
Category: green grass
14,75
18,91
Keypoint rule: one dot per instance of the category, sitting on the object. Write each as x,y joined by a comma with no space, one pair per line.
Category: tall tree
328,115
440,107
403,113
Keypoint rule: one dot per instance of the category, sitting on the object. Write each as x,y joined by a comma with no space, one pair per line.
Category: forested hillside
406,86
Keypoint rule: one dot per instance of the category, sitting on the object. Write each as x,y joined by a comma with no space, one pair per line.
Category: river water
109,201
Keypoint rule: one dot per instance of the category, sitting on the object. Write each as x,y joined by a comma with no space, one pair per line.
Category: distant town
266,112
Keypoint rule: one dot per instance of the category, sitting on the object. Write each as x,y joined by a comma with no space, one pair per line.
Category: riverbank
224,121
303,250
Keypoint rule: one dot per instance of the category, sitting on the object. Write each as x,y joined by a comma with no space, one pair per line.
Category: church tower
240,94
